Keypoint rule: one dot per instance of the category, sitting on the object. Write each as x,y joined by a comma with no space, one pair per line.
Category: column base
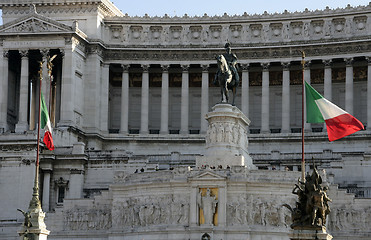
21,127
309,233
38,234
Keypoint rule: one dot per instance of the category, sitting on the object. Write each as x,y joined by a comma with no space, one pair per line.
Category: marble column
349,85
265,99
164,128
327,83
204,97
125,99
104,98
184,100
328,79
144,101
67,88
245,89
286,98
22,124
46,191
307,126
369,93
4,63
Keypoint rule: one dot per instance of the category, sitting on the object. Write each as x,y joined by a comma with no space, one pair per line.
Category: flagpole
302,120
35,202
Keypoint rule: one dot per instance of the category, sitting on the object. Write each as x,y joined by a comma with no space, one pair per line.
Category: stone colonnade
245,67
66,111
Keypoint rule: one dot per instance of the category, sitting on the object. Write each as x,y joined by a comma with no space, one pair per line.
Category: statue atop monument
227,75
312,206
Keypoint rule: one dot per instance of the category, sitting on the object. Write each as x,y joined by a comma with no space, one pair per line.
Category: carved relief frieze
151,210
339,24
276,29
317,27
360,23
156,32
341,218
216,31
195,32
81,218
136,32
235,31
245,209
116,32
176,32
32,26
256,30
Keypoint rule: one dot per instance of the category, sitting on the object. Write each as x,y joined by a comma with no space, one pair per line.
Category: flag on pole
339,123
46,124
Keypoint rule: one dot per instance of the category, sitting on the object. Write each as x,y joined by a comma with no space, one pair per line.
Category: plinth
226,138
308,233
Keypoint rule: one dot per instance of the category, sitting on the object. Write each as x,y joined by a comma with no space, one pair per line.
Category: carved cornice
250,53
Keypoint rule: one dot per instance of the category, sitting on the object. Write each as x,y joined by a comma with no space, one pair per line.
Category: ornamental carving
33,26
78,219
151,210
246,209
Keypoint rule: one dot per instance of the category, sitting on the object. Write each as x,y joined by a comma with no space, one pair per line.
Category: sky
218,7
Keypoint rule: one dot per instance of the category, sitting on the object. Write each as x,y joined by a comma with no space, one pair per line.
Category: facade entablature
286,28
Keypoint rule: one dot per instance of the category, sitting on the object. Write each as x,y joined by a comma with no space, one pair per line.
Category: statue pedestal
34,226
226,138
308,233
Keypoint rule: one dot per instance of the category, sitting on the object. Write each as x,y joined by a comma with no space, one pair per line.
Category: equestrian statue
227,75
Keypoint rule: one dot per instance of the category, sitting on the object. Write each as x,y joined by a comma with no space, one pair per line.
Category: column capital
307,65
23,53
6,54
185,67
368,59
145,67
327,63
245,66
125,67
265,66
62,52
205,67
44,52
348,61
165,67
285,65
105,65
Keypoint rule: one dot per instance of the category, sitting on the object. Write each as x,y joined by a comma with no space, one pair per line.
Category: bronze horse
225,79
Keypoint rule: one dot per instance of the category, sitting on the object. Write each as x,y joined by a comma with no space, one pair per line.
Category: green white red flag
46,124
339,123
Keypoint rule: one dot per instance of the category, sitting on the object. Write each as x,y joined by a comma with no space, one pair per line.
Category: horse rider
231,59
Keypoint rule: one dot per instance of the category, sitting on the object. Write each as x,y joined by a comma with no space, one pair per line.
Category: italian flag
339,123
46,124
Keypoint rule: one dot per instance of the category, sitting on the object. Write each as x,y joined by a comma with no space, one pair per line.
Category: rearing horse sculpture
225,79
